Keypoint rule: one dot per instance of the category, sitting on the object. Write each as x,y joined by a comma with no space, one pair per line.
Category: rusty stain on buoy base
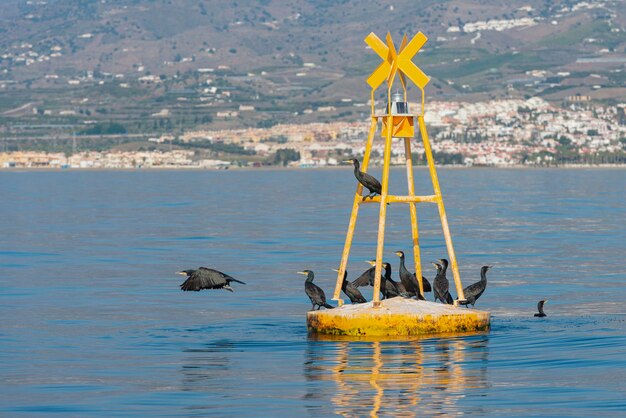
396,317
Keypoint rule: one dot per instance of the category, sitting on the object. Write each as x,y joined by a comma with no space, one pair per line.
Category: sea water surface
92,322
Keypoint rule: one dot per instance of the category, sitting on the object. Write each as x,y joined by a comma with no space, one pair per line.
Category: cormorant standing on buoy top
541,314
473,291
407,277
373,186
351,290
388,287
314,292
441,284
206,278
366,278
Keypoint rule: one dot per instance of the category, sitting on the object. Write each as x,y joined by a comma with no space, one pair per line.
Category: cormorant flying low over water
541,314
373,186
314,292
206,278
351,290
473,291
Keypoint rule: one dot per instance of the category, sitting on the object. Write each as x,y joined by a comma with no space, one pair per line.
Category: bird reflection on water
397,378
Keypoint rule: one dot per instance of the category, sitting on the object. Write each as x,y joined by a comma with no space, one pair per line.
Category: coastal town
493,133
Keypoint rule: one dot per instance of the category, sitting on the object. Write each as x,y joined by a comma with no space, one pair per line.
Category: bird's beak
182,273
434,264
337,270
347,161
397,253
302,272
545,301
440,260
371,262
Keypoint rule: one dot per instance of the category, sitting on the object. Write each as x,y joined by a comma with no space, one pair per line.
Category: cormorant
373,186
206,278
314,292
444,268
407,277
441,284
351,290
541,313
366,278
473,291
388,287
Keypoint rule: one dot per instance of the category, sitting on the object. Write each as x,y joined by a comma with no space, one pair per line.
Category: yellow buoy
397,317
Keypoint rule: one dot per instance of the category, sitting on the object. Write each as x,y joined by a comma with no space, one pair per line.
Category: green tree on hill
104,128
285,155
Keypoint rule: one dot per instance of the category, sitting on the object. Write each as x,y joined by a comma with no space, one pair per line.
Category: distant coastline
297,168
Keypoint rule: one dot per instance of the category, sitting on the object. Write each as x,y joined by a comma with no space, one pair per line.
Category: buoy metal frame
399,126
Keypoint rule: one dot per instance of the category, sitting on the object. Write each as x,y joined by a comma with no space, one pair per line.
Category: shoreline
279,168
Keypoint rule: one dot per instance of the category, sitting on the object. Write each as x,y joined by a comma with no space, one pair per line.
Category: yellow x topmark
394,61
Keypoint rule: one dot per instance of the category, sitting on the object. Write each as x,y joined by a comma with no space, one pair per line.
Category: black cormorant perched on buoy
388,287
473,291
351,290
407,277
441,284
541,313
314,292
206,278
373,186
444,269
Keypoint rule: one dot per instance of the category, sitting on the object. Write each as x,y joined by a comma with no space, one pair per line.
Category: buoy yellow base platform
397,316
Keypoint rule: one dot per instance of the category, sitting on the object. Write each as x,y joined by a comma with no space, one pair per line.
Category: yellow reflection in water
400,378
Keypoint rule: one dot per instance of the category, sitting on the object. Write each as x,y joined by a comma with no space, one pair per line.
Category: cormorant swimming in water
473,291
351,290
388,287
441,284
373,186
541,314
314,292
206,278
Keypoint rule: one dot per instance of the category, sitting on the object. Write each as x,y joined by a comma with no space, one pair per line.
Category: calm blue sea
92,322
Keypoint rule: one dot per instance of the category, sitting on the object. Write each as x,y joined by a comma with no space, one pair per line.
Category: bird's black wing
401,288
205,278
217,273
472,290
440,288
371,183
364,279
315,293
426,284
353,293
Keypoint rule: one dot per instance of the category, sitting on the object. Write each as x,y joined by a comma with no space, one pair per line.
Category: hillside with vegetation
152,67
